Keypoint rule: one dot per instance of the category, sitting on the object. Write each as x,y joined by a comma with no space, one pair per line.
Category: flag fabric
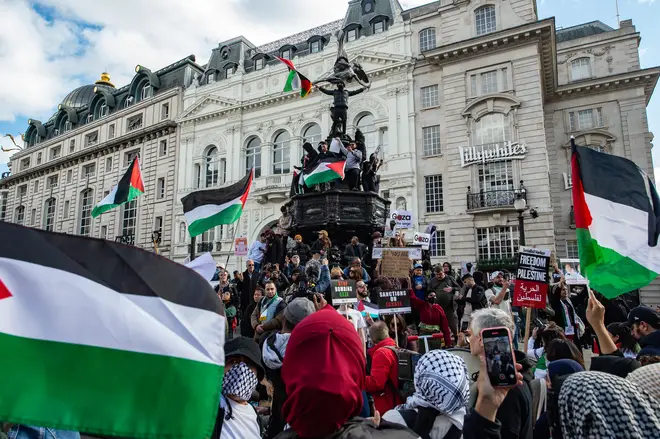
326,170
206,209
617,218
105,338
129,187
296,79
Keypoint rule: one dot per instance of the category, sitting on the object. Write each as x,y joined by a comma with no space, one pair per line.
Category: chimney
625,23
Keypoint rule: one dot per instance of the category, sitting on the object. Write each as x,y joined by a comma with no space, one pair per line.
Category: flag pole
192,247
231,244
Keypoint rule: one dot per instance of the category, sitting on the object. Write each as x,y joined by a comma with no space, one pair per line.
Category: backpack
406,361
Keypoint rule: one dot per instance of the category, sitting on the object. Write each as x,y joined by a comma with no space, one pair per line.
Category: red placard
530,294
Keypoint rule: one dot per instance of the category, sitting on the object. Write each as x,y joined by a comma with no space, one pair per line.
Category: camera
306,288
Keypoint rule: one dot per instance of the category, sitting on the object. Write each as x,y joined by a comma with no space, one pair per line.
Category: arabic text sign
343,291
393,302
423,239
414,253
395,263
241,246
532,278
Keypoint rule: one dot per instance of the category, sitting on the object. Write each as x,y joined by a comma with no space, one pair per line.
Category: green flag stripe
321,177
106,391
289,81
609,272
227,216
102,208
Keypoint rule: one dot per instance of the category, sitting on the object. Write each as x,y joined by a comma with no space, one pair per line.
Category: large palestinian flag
296,79
105,338
206,209
617,218
328,169
129,187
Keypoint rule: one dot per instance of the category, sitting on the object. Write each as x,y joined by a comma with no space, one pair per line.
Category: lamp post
520,204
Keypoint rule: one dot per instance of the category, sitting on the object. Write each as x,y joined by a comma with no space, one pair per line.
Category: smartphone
464,326
500,359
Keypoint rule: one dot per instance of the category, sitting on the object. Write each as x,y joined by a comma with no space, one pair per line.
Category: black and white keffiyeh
441,383
600,405
240,381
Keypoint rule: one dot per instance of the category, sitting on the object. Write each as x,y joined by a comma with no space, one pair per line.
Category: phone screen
499,357
464,326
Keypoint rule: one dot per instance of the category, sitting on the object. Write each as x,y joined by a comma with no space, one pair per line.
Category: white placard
402,218
423,239
414,253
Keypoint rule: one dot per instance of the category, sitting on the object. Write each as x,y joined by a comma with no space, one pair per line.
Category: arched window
580,69
86,199
49,219
495,178
365,123
212,167
427,39
20,215
103,109
129,222
145,91
312,134
282,153
128,101
253,156
65,124
182,233
485,20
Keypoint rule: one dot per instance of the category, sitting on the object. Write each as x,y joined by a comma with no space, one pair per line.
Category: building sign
532,278
492,153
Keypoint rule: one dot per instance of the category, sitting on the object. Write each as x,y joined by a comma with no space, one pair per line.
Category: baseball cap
494,274
248,348
643,314
298,309
418,266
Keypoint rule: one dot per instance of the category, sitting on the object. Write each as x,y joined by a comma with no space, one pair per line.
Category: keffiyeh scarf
647,379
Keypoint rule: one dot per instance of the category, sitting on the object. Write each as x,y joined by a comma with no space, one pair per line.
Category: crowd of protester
298,367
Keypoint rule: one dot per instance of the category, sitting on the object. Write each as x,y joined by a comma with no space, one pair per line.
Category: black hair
626,339
466,276
563,349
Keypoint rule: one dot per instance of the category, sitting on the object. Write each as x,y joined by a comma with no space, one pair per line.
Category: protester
515,412
322,244
324,374
354,250
498,295
383,380
362,294
432,318
419,282
302,250
237,419
623,338
471,298
445,288
565,316
230,314
257,251
281,281
547,334
645,326
564,349
246,320
336,274
446,267
247,283
266,315
284,223
400,331
647,379
294,264
437,409
352,166
355,318
356,264
274,350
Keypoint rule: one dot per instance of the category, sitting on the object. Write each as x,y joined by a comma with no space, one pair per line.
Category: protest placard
395,263
393,302
402,218
532,278
422,239
343,291
241,246
413,252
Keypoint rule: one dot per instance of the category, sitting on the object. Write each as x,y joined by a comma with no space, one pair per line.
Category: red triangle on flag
338,167
4,291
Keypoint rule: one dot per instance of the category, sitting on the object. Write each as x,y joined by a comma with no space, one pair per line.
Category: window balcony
501,199
204,247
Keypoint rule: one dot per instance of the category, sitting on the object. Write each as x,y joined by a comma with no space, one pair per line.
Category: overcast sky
48,48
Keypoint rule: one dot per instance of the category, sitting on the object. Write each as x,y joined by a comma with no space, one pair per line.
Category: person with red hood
383,381
324,373
432,317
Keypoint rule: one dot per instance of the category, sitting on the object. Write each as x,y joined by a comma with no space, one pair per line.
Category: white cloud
646,1
642,51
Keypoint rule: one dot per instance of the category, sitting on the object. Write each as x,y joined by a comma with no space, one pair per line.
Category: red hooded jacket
431,314
384,379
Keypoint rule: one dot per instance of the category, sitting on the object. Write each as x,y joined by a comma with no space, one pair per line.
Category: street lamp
520,204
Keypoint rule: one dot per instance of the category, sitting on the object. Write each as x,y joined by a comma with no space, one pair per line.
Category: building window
429,96
212,167
49,221
208,237
497,176
158,225
3,205
164,111
108,164
497,242
89,170
55,152
572,249
111,131
25,163
128,101
259,63
130,156
160,188
33,217
282,153
492,128
51,181
253,156
580,69
489,82
431,140
352,35
134,123
484,18
38,158
162,149
36,186
312,134
198,175
145,93
229,72
104,109
92,139
68,126
210,79
286,54
433,193
182,232
20,215
492,81
69,176
21,192
379,27
427,39
90,118
315,46
586,119
67,205
104,232
128,224
367,125
72,145
437,245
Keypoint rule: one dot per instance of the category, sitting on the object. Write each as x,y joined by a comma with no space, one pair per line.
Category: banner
414,253
343,291
393,302
395,263
402,218
423,239
531,288
241,246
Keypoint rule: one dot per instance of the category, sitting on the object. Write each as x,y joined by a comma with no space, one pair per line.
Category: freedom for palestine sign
532,278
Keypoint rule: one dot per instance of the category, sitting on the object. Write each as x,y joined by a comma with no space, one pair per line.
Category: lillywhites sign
492,153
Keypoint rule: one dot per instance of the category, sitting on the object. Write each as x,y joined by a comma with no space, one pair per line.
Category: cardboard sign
532,278
393,302
343,291
241,246
395,263
423,239
402,218
414,253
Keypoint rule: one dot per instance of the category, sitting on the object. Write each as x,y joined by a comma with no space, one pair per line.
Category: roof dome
83,95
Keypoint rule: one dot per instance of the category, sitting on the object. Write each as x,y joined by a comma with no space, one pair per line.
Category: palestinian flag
206,209
326,170
107,339
617,218
296,80
129,187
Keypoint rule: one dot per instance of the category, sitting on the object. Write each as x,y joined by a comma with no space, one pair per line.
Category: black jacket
302,250
515,413
354,251
246,288
476,426
650,344
246,323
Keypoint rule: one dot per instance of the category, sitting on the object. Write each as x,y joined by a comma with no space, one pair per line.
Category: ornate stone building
236,116
73,160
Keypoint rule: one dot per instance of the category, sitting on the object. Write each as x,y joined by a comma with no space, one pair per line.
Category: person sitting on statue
339,108
370,177
352,167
